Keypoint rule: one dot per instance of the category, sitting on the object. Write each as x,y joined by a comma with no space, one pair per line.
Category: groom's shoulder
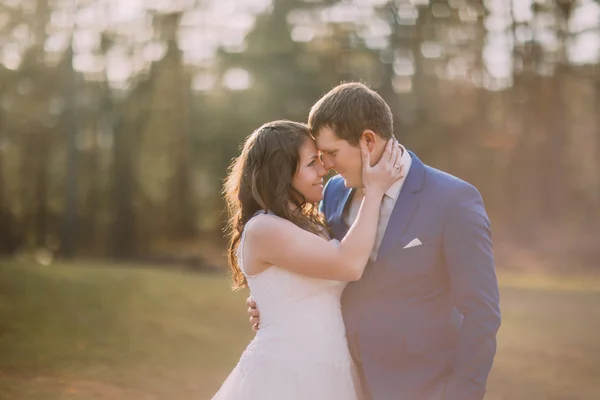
445,182
334,184
331,192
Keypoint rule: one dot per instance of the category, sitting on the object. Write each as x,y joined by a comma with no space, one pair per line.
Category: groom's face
341,156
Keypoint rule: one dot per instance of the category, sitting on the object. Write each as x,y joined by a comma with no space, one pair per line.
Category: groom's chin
349,183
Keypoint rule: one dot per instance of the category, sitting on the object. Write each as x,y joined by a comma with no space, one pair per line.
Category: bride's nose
322,171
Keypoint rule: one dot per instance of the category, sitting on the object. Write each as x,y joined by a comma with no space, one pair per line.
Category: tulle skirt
278,379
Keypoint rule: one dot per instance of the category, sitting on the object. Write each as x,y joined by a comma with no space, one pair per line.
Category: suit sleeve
474,289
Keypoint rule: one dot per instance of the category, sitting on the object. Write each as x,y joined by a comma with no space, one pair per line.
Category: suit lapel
406,204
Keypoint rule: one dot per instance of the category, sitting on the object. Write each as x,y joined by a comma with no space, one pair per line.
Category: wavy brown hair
260,179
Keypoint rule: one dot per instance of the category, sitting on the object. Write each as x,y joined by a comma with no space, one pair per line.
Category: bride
281,249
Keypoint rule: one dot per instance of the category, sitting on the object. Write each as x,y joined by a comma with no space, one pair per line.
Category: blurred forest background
118,119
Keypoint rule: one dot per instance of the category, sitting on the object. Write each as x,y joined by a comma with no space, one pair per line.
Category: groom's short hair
349,109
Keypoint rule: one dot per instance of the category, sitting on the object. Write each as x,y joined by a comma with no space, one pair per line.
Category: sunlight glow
11,56
207,26
237,79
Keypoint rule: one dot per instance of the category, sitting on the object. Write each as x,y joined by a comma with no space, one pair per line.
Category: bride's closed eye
313,161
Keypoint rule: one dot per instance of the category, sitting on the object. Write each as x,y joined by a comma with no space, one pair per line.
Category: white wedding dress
300,351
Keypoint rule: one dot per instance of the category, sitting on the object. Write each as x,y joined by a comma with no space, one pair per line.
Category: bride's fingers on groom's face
364,153
392,148
389,150
399,172
396,154
392,152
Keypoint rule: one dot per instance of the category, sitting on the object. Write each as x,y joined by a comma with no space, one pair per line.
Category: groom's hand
253,314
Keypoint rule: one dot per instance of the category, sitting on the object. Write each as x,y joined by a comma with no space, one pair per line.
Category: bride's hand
381,176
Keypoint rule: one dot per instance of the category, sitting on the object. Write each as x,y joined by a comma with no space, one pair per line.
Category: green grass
94,331
101,332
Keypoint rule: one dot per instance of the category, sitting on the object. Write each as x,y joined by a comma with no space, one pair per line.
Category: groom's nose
327,163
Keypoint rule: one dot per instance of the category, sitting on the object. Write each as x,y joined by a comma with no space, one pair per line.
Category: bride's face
308,178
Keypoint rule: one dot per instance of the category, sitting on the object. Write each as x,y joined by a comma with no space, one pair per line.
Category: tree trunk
41,190
123,223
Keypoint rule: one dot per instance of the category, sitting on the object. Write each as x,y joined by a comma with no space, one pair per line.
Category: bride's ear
369,137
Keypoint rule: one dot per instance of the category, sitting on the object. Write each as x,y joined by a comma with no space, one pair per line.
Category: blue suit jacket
422,322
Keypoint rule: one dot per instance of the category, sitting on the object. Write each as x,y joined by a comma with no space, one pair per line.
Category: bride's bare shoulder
268,225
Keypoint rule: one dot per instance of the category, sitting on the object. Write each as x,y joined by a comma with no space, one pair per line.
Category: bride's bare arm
276,241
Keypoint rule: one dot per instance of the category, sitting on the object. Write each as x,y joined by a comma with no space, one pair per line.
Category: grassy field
93,331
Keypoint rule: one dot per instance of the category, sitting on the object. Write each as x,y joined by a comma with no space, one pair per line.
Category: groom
421,323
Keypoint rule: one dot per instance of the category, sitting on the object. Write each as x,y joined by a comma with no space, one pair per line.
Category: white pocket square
413,243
